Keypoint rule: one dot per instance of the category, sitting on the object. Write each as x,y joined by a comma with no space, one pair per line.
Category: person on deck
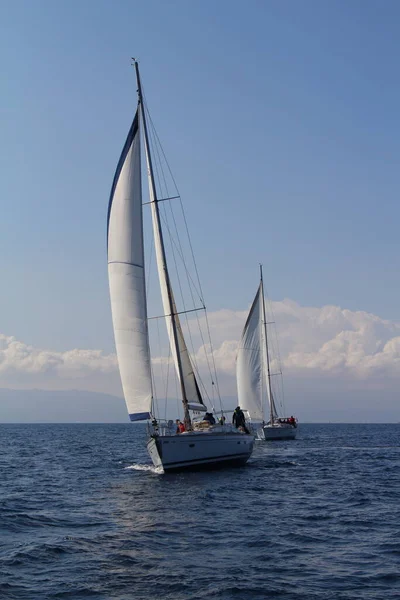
239,420
180,428
292,421
209,418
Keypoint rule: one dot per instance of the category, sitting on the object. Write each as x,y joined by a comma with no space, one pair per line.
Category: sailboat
253,371
195,443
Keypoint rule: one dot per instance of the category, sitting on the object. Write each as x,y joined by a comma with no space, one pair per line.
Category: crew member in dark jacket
239,419
209,417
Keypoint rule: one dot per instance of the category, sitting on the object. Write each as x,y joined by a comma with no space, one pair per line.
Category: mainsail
127,279
249,365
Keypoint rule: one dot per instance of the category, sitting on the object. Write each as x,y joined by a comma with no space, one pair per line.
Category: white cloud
327,339
17,357
322,342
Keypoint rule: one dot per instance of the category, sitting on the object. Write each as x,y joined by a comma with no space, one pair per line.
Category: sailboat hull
200,450
279,432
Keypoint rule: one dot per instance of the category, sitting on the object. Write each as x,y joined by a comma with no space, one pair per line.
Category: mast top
135,64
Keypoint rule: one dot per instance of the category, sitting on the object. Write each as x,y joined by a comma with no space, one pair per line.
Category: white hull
279,432
200,450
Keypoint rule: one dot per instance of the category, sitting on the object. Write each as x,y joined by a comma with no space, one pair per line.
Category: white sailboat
253,371
201,444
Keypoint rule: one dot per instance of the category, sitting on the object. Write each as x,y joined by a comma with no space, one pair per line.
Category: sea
84,515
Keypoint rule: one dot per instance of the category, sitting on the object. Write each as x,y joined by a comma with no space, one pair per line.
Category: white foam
150,468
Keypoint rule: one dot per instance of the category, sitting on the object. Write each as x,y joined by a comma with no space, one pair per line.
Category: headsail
127,279
249,365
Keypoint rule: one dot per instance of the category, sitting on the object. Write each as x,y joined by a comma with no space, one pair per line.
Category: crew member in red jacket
180,428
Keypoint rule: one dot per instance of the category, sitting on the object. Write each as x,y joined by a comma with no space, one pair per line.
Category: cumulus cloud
327,339
323,341
17,357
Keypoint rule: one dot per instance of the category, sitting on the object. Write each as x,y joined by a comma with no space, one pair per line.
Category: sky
280,123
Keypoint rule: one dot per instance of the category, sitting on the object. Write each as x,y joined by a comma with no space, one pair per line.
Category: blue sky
280,122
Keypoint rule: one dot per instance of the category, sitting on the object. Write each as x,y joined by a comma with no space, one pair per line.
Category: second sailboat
253,372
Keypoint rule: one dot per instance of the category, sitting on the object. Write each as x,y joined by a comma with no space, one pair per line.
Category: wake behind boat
253,374
195,443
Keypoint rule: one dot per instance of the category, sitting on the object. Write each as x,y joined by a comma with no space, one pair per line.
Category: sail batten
126,274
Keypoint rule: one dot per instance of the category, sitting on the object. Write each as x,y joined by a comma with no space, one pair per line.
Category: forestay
127,278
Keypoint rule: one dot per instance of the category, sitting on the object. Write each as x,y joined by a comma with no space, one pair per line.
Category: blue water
83,515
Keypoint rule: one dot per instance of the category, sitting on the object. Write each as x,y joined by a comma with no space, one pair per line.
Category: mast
154,201
271,412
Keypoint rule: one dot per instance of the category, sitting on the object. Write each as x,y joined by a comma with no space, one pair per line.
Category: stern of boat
200,450
279,433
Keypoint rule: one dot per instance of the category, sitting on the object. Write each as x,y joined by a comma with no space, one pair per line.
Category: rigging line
159,188
205,351
163,153
196,271
163,213
154,386
162,369
168,372
200,330
181,253
161,200
155,397
194,262
193,353
162,258
180,249
169,361
278,354
183,261
213,360
154,389
178,404
158,162
189,277
182,208
204,346
210,370
148,271
172,242
181,312
147,284
156,147
159,352
159,168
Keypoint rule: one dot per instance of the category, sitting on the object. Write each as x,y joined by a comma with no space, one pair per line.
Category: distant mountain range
69,406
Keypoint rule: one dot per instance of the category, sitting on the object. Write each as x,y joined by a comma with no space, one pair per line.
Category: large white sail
127,279
249,364
193,395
